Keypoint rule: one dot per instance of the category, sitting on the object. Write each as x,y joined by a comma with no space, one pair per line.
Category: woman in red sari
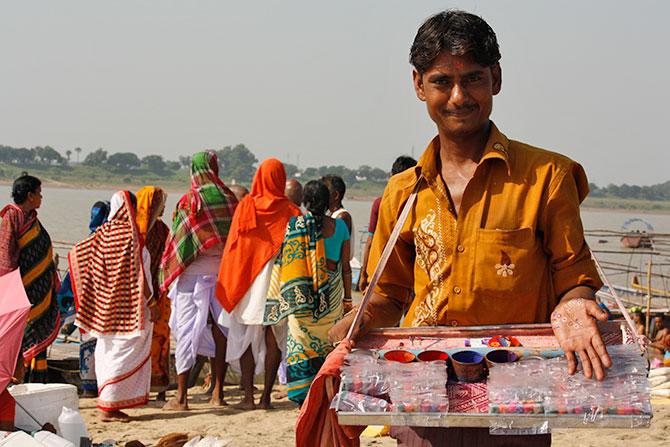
26,245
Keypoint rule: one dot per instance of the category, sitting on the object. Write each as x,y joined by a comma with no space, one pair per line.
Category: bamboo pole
648,321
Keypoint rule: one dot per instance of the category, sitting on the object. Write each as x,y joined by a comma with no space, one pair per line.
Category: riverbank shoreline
595,204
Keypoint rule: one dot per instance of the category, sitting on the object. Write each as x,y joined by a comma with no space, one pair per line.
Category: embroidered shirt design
506,267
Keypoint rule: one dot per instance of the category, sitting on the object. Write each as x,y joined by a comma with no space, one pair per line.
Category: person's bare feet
175,404
246,405
279,395
218,402
114,416
266,405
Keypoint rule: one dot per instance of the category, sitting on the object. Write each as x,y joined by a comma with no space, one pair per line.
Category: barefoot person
307,287
255,237
26,245
336,210
111,281
189,266
495,234
154,232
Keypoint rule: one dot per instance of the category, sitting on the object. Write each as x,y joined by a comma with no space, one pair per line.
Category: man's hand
339,331
362,281
574,324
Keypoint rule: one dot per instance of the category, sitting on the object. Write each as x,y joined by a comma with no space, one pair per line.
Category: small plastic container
500,356
72,426
433,355
468,366
400,355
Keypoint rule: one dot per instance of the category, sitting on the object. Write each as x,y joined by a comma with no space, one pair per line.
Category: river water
65,214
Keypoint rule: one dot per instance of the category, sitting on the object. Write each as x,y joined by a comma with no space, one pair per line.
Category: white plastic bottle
72,426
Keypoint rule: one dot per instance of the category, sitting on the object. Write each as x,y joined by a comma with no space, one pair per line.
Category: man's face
458,93
658,322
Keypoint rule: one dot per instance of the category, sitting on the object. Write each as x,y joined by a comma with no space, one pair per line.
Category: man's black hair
22,186
335,183
315,198
402,163
457,32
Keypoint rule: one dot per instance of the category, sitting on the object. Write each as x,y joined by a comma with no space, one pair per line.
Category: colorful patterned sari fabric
108,277
201,220
308,295
160,344
99,213
26,245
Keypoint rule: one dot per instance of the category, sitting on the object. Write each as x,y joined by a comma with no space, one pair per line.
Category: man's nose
459,95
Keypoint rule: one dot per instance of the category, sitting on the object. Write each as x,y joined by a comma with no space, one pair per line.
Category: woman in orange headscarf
154,233
255,237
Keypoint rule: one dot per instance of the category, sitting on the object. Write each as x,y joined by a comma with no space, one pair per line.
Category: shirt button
460,248
454,323
457,290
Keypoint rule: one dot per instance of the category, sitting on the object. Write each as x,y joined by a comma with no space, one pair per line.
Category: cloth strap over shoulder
386,254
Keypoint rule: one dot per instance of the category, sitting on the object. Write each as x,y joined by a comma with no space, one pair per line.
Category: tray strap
640,339
386,254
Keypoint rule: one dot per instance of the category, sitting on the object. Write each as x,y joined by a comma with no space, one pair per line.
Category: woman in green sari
309,280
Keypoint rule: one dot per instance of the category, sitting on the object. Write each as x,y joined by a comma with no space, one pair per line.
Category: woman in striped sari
26,245
309,279
112,287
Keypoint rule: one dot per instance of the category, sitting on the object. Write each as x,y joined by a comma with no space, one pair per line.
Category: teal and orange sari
309,296
26,245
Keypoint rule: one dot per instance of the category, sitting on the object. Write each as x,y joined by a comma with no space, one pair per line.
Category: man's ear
496,74
417,80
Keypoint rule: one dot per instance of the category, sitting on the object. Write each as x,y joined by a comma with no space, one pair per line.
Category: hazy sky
328,82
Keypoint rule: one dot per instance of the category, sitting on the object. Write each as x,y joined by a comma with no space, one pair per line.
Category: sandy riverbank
276,427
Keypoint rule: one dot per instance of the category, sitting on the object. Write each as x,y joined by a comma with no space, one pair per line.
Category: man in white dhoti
189,267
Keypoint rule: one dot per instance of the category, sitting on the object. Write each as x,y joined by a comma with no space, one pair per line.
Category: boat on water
637,233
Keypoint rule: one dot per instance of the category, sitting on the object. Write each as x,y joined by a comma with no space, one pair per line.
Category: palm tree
78,151
68,153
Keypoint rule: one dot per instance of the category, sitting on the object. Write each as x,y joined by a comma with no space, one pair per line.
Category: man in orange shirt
495,235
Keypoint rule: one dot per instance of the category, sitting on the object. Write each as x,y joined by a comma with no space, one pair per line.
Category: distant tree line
660,191
236,163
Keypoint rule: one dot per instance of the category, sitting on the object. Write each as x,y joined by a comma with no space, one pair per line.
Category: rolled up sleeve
570,257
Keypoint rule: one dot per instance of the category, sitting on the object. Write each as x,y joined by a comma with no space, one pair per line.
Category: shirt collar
497,147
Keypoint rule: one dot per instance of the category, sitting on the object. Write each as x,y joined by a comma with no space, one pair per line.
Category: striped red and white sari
111,290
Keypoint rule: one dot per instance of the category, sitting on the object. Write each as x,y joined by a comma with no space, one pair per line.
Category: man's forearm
382,312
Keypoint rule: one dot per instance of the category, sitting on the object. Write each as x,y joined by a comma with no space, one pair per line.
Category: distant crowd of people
251,279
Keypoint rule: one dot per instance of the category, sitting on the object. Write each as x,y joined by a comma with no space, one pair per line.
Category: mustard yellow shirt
515,247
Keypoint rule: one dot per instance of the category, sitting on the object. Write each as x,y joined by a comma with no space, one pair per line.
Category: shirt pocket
508,264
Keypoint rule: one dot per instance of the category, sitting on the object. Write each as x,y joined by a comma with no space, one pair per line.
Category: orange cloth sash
256,234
